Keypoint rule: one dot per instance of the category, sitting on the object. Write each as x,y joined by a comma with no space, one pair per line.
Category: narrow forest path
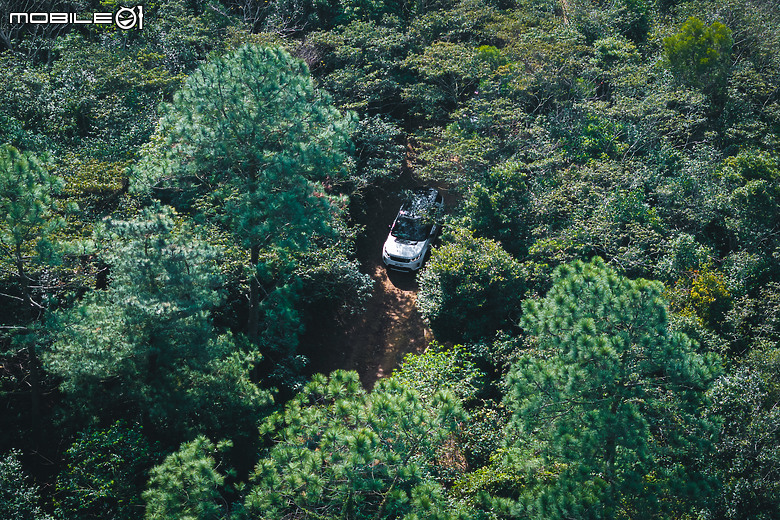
390,327
373,342
565,9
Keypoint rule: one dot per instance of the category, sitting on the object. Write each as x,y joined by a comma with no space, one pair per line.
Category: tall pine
610,398
249,144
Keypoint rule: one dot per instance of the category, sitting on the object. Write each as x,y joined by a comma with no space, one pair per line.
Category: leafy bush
469,289
700,55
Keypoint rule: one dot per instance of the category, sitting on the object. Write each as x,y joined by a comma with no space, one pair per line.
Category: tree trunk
253,324
35,385
35,395
610,456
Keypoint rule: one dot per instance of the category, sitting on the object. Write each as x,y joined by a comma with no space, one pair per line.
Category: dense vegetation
178,207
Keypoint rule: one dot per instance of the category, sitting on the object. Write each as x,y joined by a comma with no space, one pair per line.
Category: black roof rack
420,199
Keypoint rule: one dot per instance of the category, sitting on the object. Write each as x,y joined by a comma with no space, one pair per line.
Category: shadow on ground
373,342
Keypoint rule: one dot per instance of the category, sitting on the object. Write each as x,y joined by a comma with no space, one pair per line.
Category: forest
181,209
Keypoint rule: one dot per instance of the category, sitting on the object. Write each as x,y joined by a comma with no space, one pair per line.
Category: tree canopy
610,396
191,218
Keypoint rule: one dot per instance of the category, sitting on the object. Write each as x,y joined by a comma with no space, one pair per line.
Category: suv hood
403,248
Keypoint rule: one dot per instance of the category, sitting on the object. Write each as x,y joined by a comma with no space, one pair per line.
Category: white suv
413,230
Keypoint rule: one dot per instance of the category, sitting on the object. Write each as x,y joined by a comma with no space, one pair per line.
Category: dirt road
390,327
374,342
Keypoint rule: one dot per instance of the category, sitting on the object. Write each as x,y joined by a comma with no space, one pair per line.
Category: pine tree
611,396
250,143
340,452
28,224
145,347
27,220
188,485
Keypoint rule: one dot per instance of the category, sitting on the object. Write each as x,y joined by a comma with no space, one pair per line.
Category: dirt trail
374,342
565,9
390,327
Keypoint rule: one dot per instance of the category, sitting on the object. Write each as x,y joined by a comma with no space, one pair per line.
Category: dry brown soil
373,342
391,327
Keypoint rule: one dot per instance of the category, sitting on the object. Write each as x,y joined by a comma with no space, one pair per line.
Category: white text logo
125,18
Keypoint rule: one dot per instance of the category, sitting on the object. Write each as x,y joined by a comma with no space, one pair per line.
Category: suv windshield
410,229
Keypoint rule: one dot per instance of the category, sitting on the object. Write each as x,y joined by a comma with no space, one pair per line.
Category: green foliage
104,474
490,492
435,21
448,72
498,207
333,280
19,498
550,60
182,34
598,139
91,99
372,9
685,255
298,16
601,208
700,55
750,111
754,321
28,222
379,152
469,289
440,369
188,484
612,396
142,346
341,452
96,98
484,433
629,18
456,155
753,198
362,65
748,458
